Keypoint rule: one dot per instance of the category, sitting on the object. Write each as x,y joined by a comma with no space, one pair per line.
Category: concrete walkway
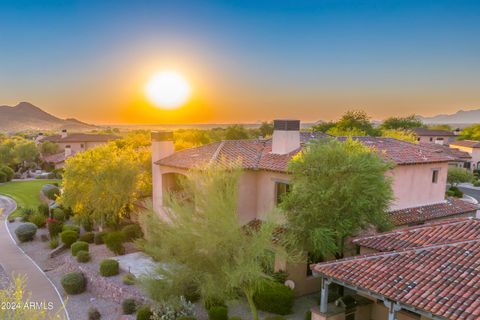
13,259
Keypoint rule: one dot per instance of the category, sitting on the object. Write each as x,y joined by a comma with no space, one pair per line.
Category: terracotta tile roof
55,158
466,143
81,137
453,230
256,154
448,208
438,279
428,132
457,154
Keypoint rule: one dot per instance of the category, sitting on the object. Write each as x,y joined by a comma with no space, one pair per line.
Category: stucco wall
446,140
412,185
474,152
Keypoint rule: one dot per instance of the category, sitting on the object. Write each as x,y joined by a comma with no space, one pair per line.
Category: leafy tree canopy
400,134
337,189
470,133
212,254
445,127
352,123
409,122
458,175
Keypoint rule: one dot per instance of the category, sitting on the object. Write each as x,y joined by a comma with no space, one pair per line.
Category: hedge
108,268
26,231
144,313
68,237
79,246
71,227
83,256
44,209
132,232
275,298
218,313
54,227
98,237
87,237
114,242
59,214
74,282
38,219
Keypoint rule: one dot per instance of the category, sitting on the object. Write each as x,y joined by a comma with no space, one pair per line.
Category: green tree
409,122
337,189
356,120
48,148
236,132
323,126
445,127
25,151
470,133
400,134
458,175
214,256
266,129
103,183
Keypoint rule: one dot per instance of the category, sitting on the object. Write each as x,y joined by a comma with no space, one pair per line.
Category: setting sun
168,89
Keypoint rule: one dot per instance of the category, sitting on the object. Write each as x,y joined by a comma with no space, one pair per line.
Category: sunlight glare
168,90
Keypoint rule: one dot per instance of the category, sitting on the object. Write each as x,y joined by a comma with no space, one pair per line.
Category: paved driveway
13,259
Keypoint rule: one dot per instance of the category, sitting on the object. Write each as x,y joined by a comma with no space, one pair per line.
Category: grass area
25,193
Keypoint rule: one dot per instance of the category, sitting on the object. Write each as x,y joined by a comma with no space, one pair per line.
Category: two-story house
434,136
419,178
71,143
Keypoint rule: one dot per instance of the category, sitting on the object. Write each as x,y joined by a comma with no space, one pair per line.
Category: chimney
63,134
286,136
68,151
162,146
39,137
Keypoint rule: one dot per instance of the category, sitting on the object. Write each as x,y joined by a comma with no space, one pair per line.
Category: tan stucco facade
436,139
474,152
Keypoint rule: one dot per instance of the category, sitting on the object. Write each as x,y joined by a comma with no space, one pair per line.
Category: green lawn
25,193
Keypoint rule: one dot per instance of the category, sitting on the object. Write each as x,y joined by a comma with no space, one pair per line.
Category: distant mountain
26,116
461,117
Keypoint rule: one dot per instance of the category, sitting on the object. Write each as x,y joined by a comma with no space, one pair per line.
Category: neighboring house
461,159
434,136
470,146
426,272
73,143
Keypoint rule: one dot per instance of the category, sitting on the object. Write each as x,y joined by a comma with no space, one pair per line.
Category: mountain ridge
26,116
459,117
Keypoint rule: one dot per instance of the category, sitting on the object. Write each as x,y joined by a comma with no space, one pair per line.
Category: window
435,176
431,139
81,145
281,188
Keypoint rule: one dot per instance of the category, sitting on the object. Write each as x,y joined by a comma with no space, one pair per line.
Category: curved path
13,259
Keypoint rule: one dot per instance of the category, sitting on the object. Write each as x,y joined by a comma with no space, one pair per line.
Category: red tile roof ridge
394,252
217,152
453,221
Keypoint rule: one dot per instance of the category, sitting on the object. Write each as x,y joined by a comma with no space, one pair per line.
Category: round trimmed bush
51,191
129,306
94,314
98,237
79,246
274,297
218,313
71,227
87,237
83,256
7,173
144,313
129,279
54,227
132,232
108,268
68,237
26,231
38,219
114,242
74,283
59,214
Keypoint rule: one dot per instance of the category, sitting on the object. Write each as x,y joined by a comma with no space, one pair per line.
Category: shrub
454,192
94,314
53,243
308,315
68,237
187,318
218,313
87,237
71,227
275,298
74,282
25,213
79,246
54,227
275,318
83,256
476,183
98,238
280,276
26,231
87,225
129,306
7,173
59,214
129,279
43,209
51,191
144,313
114,241
3,177
108,268
132,232
38,219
